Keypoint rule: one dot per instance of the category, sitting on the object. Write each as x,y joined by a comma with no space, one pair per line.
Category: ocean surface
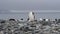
24,15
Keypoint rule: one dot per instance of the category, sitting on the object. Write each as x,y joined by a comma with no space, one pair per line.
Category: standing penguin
31,16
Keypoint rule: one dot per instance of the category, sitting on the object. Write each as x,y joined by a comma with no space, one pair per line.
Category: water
50,15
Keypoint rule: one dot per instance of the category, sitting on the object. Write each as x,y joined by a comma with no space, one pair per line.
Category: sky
29,5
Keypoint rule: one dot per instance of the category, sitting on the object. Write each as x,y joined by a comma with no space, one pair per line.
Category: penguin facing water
31,16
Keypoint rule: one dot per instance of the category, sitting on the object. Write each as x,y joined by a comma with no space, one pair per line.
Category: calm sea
49,15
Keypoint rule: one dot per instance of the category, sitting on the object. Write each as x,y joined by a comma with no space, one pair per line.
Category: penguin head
31,13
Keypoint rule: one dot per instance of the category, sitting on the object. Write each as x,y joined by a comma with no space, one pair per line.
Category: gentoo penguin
31,16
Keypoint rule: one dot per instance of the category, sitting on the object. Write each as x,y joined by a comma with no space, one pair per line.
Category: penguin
31,16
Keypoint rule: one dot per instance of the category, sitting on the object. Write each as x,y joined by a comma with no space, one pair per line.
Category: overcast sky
29,4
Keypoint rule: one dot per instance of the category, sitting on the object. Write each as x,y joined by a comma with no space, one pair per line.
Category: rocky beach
13,26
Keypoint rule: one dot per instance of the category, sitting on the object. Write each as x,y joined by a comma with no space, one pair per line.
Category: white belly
31,17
